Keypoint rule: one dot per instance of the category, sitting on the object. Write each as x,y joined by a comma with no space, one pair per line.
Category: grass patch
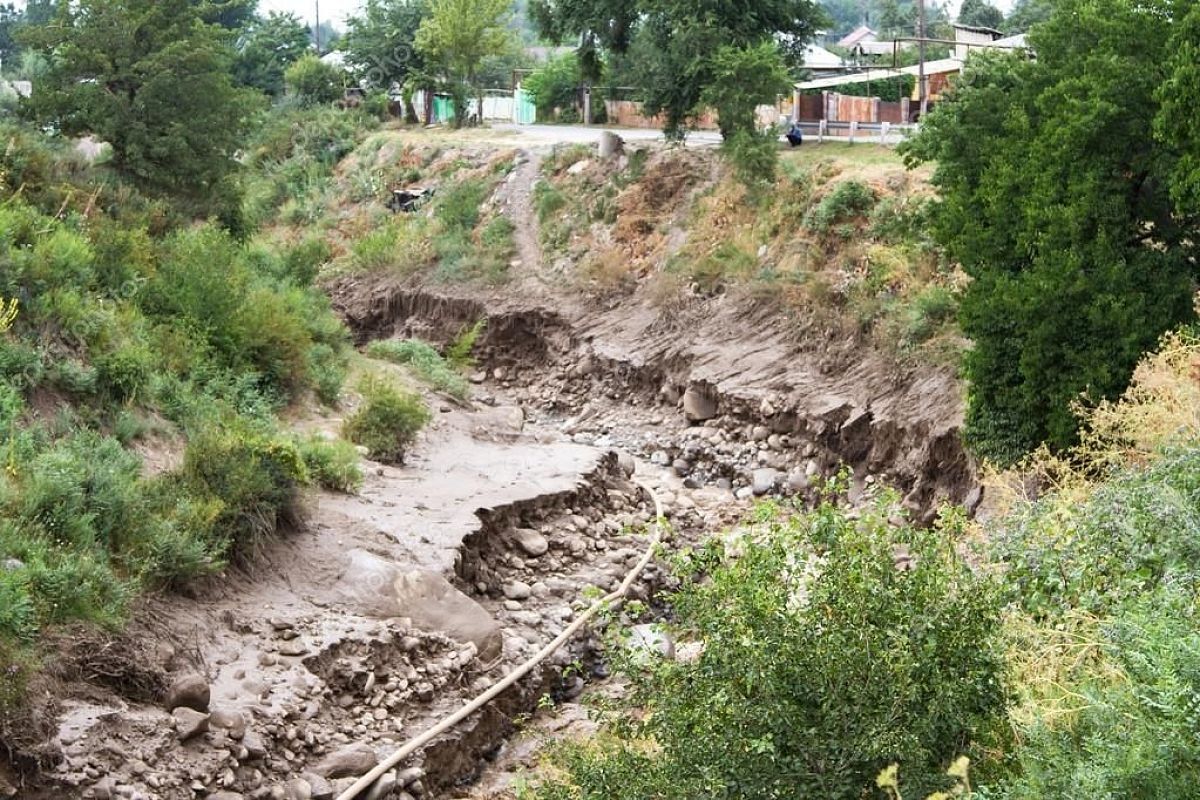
425,362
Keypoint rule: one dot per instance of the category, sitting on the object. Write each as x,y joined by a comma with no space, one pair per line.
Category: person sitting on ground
794,136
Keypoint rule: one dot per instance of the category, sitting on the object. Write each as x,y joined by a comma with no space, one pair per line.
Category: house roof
1014,42
938,67
978,29
816,57
859,34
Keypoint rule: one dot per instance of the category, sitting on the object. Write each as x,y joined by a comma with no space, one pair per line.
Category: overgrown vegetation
832,647
845,239
142,337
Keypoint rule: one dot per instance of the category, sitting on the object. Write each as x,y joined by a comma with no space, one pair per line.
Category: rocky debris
352,761
189,691
11,565
189,723
651,639
226,796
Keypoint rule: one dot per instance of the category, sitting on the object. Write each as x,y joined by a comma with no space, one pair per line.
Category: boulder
189,723
232,722
533,543
382,787
698,405
320,788
189,691
517,590
764,481
379,588
352,761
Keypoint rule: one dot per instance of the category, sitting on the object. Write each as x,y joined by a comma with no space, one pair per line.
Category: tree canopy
457,36
981,14
154,80
677,41
1057,201
380,42
266,48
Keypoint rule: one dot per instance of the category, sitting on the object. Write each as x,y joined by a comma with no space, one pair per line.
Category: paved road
547,135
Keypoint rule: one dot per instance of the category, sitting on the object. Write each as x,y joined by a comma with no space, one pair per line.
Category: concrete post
853,130
822,128
884,130
587,105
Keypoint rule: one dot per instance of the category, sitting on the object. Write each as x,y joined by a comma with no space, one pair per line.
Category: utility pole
921,64
317,26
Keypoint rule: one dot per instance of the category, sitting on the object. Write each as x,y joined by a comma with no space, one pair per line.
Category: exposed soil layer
720,391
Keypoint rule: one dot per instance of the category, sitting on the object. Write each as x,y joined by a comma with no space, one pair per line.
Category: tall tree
458,35
380,42
266,48
981,14
154,80
1055,201
678,40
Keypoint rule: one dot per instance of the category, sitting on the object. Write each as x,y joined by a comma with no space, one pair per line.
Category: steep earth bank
726,394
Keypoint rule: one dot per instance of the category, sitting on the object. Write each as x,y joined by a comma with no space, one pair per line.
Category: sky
334,10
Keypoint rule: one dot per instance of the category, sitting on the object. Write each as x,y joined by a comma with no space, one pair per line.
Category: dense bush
832,647
555,86
847,200
331,463
387,422
313,82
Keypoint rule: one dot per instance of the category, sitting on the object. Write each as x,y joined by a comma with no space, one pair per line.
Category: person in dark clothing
794,136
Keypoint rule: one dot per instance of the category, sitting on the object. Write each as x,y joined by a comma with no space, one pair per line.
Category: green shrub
459,353
754,156
304,261
313,82
21,365
388,421
927,313
825,659
847,201
254,475
332,464
425,362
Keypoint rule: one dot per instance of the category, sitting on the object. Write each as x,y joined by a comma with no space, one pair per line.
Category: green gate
524,111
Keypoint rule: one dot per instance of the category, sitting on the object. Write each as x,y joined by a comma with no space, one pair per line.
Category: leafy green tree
1176,124
1055,201
152,79
600,26
981,14
313,82
267,47
380,42
457,36
229,14
555,85
676,41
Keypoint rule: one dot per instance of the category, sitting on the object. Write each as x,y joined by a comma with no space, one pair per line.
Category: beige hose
412,745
